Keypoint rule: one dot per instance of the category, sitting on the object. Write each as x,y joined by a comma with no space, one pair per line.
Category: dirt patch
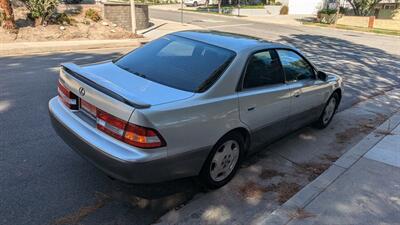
347,135
365,126
269,173
301,214
284,190
75,218
252,190
329,158
314,169
80,29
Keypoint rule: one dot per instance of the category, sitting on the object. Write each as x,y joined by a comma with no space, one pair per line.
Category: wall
362,21
305,7
120,14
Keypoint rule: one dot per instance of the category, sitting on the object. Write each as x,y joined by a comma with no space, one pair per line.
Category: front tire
329,111
223,161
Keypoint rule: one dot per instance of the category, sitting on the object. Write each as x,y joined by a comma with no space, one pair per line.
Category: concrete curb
17,48
284,214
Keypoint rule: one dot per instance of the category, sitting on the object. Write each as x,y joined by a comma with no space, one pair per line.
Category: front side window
294,66
263,69
178,62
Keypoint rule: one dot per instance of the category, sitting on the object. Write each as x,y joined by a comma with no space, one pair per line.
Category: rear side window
263,69
178,62
295,67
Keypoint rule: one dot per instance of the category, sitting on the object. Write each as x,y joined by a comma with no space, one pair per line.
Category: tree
9,22
363,7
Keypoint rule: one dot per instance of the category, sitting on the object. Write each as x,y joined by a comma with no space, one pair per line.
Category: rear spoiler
77,72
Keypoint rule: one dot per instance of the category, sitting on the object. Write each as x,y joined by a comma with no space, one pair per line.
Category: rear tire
223,161
329,111
195,4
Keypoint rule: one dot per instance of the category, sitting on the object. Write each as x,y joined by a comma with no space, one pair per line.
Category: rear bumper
115,158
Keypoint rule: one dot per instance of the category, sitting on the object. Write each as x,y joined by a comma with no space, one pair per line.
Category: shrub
93,15
284,10
62,19
41,10
327,11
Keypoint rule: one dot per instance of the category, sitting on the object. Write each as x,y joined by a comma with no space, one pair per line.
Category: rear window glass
178,62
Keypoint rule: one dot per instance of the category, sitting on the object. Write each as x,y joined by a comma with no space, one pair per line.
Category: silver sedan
191,103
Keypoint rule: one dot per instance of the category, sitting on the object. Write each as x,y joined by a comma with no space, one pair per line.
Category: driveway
43,182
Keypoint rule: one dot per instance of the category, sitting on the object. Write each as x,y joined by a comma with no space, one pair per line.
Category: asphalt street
43,182
369,62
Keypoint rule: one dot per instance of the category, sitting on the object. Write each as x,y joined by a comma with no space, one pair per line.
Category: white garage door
304,6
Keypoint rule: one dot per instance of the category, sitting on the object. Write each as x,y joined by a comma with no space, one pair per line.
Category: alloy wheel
224,160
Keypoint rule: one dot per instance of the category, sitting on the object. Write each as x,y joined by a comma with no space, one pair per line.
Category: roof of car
231,41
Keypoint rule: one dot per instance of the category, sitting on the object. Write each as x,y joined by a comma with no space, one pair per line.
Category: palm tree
9,22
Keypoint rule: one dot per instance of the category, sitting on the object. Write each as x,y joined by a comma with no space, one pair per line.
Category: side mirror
322,76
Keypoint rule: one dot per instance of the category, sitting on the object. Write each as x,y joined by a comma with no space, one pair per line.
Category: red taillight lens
67,97
132,134
142,137
110,124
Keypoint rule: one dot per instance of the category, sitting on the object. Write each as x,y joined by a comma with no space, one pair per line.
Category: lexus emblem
82,91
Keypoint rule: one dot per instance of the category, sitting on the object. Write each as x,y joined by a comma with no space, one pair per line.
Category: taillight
129,133
110,124
67,97
142,137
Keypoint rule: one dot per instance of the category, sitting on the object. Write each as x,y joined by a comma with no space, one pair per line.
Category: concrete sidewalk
361,187
17,48
159,28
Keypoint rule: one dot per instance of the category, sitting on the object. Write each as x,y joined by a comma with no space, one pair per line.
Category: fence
363,21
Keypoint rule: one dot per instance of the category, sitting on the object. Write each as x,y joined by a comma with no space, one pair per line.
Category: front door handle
251,108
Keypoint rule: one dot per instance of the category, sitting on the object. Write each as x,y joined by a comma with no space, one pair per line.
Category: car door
308,94
264,98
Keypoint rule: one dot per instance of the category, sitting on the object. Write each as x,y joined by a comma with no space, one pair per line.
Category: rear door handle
297,94
251,108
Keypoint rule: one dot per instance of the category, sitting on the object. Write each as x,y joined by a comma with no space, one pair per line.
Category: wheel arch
245,134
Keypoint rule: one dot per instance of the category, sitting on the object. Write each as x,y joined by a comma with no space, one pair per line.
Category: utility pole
181,11
133,16
238,8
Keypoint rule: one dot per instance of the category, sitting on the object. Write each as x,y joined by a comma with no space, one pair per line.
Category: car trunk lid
131,86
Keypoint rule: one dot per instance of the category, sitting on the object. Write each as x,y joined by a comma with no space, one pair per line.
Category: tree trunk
355,9
9,22
219,6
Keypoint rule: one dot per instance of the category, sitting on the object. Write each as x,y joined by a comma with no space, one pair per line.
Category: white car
194,2
189,103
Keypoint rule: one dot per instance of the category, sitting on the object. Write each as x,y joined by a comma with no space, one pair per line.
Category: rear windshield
178,62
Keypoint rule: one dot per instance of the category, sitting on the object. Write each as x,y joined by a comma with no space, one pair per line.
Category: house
304,7
385,9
